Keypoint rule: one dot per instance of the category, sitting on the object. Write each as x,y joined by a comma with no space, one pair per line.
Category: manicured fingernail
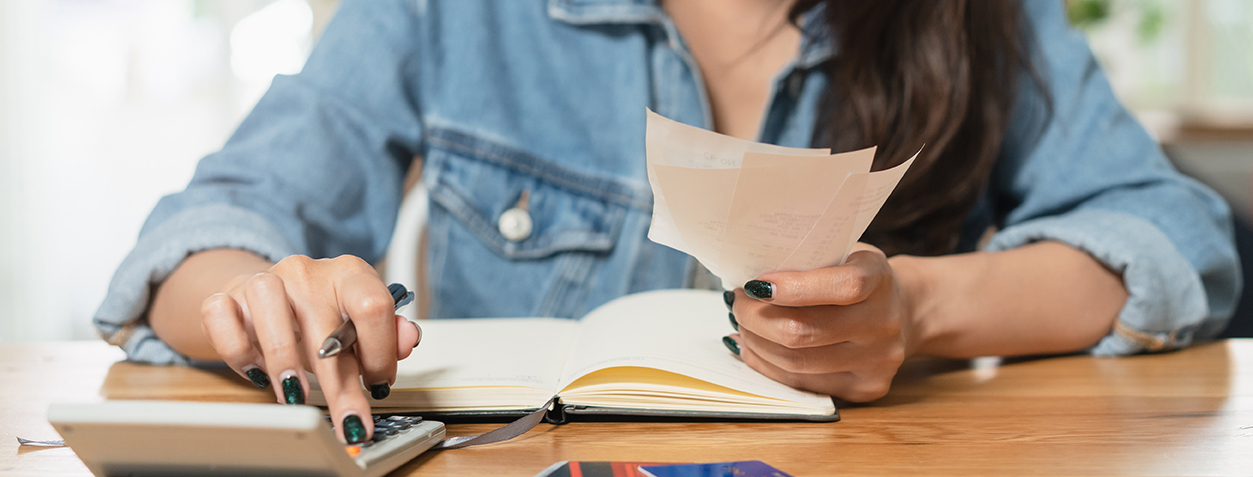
729,298
354,430
380,390
419,328
731,345
734,324
758,289
293,393
258,377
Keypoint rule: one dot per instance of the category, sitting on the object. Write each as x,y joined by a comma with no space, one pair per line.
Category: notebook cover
568,410
564,413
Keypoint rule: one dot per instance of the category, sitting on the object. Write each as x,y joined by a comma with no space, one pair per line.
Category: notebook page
678,331
524,352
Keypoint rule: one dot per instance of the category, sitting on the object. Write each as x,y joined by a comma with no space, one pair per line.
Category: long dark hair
944,73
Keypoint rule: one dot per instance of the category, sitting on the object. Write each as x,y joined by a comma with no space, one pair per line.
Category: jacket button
515,224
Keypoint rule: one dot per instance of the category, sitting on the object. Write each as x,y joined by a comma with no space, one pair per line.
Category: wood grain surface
1182,413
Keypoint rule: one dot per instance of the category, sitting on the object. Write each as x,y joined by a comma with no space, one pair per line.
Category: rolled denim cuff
122,317
1166,300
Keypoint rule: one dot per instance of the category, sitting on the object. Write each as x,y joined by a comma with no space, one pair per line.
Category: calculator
149,438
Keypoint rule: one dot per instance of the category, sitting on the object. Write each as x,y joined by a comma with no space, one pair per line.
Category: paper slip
744,208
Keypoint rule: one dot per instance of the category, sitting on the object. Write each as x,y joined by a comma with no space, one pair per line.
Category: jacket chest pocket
511,234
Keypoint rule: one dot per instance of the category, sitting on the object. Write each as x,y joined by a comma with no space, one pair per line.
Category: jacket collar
592,12
816,41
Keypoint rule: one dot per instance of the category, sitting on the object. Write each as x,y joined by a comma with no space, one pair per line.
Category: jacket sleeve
316,168
1090,176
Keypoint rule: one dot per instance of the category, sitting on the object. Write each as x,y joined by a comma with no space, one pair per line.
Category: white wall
105,106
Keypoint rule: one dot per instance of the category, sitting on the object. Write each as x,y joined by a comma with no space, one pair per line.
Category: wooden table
1184,413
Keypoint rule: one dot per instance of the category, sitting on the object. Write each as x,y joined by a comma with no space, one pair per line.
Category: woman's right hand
268,327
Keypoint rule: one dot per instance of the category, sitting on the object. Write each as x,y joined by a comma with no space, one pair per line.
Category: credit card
747,468
595,469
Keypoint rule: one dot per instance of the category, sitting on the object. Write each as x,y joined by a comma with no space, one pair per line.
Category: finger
408,335
339,378
366,301
274,323
834,358
853,282
800,327
223,325
844,385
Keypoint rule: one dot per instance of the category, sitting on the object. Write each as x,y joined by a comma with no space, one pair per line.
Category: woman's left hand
841,331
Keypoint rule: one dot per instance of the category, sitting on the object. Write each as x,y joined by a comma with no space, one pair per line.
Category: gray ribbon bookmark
34,443
503,433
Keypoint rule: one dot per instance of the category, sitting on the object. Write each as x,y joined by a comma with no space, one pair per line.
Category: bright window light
273,40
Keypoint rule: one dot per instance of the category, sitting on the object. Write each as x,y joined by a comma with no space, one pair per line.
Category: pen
346,335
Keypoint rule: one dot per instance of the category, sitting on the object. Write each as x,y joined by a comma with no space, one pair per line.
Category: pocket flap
477,181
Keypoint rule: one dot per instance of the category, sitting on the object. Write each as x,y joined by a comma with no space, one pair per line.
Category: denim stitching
570,275
543,246
545,170
462,208
437,241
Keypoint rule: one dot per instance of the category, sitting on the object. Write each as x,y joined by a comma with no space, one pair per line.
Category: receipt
669,142
845,220
743,208
702,200
778,200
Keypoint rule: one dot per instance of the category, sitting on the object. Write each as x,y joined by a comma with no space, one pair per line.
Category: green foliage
1086,13
1089,14
1152,21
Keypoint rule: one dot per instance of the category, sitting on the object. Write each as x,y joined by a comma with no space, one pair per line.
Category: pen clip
405,301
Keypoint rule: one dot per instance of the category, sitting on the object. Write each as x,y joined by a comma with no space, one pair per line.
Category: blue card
748,468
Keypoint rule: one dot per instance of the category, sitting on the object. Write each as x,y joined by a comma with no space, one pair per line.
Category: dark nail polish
731,345
258,378
758,289
734,324
292,392
729,298
380,391
354,430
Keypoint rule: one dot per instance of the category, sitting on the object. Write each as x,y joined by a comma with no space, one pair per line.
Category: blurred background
106,105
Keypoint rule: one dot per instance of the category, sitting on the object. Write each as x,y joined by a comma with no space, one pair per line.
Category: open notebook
655,354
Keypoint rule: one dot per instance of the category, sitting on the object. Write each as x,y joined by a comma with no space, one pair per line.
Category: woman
1092,240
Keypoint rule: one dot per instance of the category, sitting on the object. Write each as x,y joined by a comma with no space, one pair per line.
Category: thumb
846,284
408,335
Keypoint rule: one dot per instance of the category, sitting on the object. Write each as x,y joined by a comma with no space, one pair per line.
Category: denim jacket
547,98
